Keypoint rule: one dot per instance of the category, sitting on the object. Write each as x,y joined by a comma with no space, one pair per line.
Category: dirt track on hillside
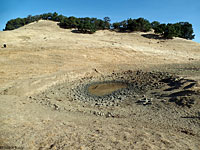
45,70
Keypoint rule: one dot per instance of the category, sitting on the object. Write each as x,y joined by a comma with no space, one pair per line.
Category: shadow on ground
153,36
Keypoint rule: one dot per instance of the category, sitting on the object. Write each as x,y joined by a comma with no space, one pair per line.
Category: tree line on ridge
91,25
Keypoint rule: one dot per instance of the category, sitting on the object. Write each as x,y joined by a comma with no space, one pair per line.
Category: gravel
138,82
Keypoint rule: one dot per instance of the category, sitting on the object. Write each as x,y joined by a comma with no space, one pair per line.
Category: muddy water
101,89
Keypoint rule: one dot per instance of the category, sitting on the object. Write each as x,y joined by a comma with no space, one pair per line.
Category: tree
28,19
186,30
99,24
170,31
63,22
160,29
177,27
10,25
130,24
123,26
55,16
143,25
155,24
86,26
107,23
116,25
68,23
181,29
44,16
139,24
60,18
15,23
49,16
36,18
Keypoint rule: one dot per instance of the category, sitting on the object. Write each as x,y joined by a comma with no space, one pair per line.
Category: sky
164,11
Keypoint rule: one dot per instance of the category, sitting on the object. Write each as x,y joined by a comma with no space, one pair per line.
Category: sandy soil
40,58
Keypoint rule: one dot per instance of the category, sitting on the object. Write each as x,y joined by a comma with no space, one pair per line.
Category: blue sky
164,11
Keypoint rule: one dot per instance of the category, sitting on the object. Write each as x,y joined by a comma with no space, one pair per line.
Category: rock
145,101
56,107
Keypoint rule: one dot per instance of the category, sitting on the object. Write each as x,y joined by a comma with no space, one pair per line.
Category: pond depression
101,89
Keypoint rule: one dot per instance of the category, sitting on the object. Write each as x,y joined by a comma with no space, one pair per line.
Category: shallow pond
101,89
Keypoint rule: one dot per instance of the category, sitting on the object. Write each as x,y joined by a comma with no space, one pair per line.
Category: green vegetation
83,25
91,25
181,29
131,25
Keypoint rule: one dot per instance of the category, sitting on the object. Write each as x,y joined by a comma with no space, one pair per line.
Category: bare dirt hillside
44,102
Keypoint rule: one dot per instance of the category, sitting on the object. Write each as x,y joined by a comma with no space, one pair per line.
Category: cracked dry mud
102,91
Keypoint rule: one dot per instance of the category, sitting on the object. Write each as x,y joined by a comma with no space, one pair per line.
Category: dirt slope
40,58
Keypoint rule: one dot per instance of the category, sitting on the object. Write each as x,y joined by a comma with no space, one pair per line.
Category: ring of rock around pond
108,90
117,87
104,93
